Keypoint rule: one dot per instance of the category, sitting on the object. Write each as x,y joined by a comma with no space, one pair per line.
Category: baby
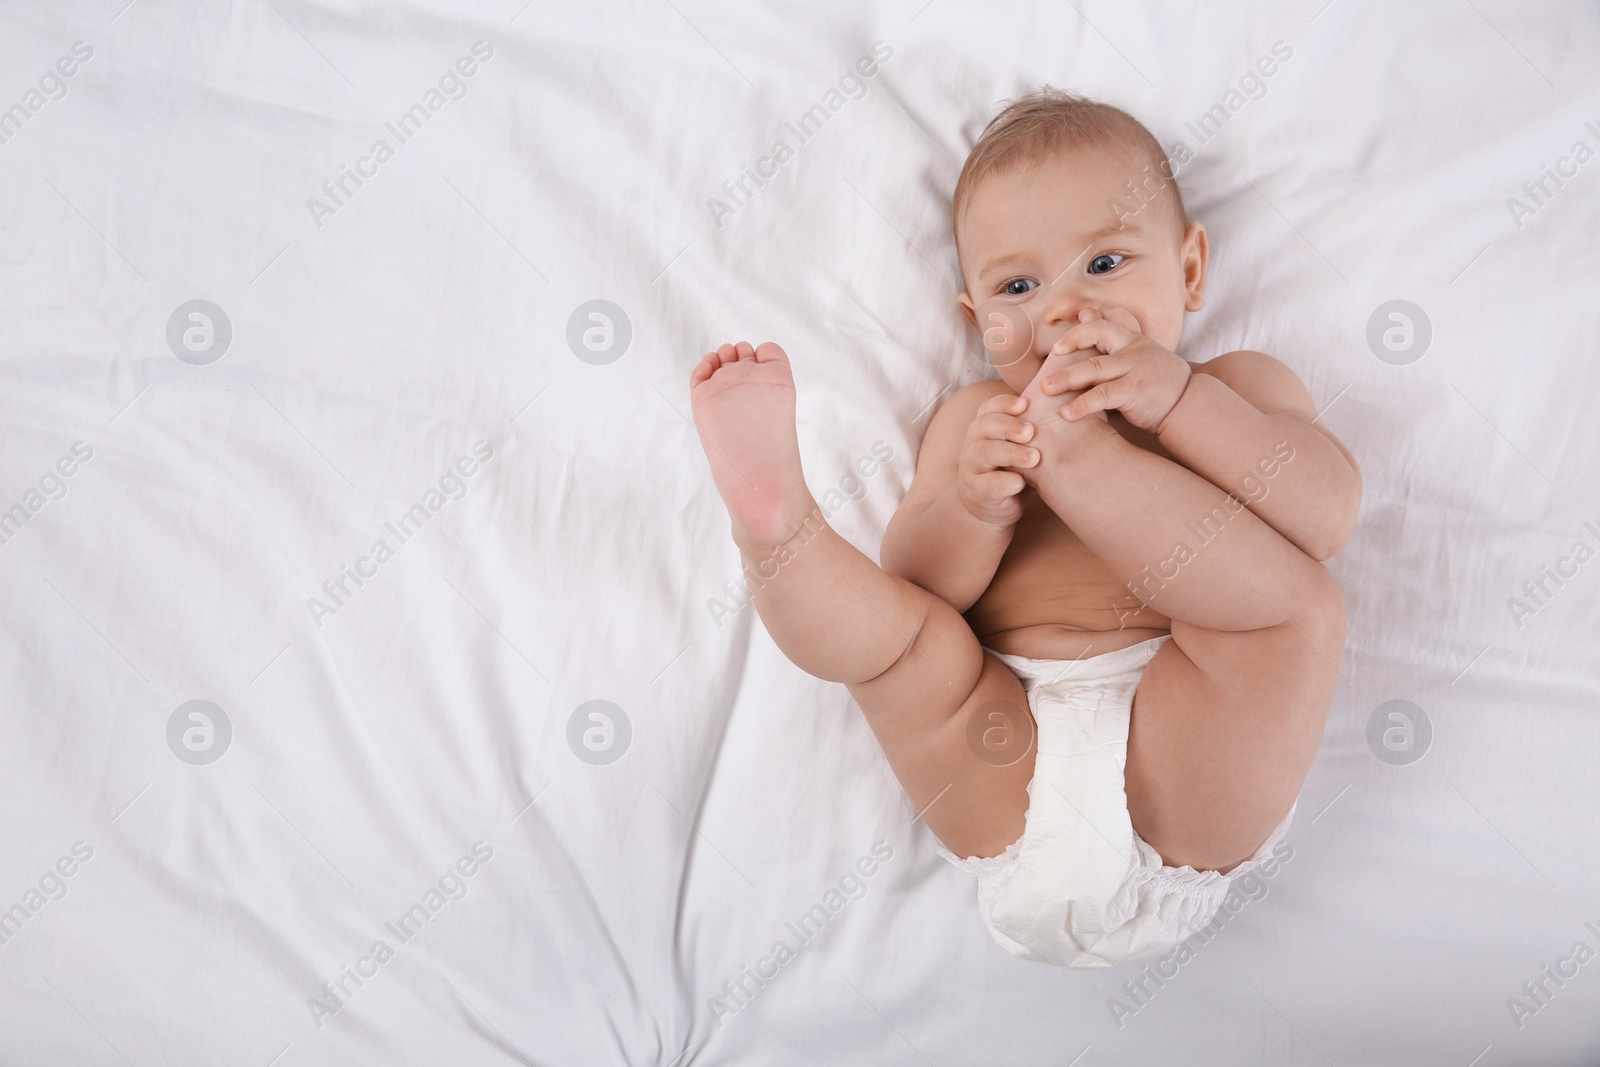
1102,645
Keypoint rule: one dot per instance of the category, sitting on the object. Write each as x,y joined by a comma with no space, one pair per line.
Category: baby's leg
1229,713
907,657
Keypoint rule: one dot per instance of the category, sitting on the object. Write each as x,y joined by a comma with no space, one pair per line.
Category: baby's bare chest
1047,560
1050,578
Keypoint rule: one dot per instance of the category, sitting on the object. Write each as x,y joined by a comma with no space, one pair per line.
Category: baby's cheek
1165,329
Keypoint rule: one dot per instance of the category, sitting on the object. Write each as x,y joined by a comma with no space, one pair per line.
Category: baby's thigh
955,725
1224,728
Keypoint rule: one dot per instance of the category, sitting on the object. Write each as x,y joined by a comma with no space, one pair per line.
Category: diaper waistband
1107,665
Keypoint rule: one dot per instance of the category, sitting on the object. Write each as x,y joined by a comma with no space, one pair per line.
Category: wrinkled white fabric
589,558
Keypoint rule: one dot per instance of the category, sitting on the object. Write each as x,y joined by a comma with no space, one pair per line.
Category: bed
376,680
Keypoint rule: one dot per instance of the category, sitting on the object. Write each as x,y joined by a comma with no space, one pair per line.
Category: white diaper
1080,888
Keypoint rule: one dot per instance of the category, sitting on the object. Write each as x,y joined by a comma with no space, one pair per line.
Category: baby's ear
966,305
1196,254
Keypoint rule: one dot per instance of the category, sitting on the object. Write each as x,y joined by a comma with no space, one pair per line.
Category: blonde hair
1047,121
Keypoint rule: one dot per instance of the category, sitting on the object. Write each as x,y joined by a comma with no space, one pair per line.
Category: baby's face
1045,241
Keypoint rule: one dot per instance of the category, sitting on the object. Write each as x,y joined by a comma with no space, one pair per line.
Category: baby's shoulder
1268,383
965,402
978,392
1242,363
953,417
941,444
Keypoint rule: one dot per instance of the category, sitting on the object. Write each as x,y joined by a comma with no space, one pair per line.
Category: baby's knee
1319,610
937,643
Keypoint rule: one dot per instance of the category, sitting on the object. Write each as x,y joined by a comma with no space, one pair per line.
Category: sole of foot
743,400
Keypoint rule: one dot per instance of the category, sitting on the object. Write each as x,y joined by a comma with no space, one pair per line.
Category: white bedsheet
381,331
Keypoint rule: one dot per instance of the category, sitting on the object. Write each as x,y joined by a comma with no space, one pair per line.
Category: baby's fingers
998,426
998,485
1084,373
1099,398
992,454
1004,403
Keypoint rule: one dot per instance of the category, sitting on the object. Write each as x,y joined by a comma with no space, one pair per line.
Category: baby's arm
956,521
1237,418
1230,420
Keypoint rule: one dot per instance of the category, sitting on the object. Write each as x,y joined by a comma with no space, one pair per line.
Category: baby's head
1066,204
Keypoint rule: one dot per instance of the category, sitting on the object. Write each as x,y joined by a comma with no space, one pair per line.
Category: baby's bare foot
743,402
1054,433
1043,408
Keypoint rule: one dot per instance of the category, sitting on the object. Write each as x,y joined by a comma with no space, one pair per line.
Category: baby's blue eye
1027,284
1105,263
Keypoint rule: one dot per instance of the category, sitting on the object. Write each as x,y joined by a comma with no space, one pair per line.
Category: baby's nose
1062,308
1061,318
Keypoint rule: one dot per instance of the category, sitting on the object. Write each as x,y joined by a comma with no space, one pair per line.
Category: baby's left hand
1132,373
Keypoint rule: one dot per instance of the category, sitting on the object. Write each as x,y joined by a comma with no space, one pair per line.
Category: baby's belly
1052,598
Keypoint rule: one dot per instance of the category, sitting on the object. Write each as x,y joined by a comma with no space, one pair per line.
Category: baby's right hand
986,481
